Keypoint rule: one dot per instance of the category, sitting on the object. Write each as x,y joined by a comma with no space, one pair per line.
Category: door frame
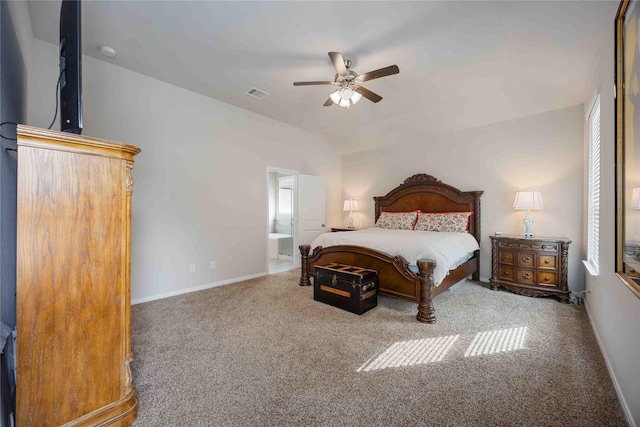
294,225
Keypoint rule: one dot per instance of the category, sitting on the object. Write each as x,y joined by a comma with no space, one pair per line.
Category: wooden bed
418,192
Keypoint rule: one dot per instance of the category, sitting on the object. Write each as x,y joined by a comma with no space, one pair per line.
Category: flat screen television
70,67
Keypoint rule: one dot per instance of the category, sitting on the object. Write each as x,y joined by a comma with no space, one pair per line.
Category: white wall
543,152
19,12
613,309
200,190
16,53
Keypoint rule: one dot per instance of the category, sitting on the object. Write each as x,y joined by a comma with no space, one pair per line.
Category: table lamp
350,205
531,201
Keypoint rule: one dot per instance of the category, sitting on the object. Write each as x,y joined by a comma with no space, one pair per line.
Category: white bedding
448,250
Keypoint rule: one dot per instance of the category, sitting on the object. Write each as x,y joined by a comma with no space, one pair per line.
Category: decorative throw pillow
397,220
457,222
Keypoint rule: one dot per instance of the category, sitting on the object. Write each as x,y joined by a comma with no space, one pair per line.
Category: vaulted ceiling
462,64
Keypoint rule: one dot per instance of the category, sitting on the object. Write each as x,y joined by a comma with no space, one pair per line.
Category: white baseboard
616,386
196,288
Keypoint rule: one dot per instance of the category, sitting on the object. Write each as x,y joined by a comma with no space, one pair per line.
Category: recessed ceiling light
107,51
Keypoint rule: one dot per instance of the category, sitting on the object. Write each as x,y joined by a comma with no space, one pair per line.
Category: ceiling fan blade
311,83
338,63
371,96
328,102
382,72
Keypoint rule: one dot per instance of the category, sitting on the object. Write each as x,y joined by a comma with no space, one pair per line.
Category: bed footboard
395,278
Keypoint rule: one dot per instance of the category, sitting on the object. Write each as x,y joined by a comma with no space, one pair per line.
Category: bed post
426,312
304,265
476,231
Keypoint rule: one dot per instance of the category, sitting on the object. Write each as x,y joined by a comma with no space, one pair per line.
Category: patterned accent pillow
457,222
397,220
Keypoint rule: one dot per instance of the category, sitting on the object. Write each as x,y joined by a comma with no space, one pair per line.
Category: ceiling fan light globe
346,93
335,97
344,102
355,97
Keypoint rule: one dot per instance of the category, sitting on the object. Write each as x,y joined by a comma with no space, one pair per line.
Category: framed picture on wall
628,144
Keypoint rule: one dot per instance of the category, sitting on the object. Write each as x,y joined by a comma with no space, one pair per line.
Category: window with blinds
593,222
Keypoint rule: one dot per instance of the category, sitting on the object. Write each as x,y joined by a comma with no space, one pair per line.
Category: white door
311,213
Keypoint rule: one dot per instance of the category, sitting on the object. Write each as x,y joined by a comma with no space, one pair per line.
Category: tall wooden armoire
73,305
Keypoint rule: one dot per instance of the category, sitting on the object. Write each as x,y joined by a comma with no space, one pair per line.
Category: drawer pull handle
507,257
546,278
526,275
526,259
506,273
546,261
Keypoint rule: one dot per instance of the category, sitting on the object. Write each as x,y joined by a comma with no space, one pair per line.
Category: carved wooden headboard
425,193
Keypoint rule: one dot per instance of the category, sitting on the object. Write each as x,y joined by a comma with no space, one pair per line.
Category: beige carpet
264,353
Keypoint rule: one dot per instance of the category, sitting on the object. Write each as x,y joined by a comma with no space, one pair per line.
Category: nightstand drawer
526,259
508,245
546,278
506,257
526,276
549,247
505,272
547,261
528,245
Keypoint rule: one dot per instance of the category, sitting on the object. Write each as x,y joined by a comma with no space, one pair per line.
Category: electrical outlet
213,265
192,268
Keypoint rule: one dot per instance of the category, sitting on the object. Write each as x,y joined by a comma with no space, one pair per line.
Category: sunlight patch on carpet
410,353
497,341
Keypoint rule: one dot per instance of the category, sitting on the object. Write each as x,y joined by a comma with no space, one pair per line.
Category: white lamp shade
529,200
350,205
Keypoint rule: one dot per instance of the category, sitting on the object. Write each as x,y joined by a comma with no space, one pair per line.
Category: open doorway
282,213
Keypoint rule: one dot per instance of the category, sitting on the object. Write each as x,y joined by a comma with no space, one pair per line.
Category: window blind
593,222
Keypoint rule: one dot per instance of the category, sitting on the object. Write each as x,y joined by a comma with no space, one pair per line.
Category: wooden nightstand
334,229
530,266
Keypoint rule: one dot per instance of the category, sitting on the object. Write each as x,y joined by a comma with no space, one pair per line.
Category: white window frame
593,207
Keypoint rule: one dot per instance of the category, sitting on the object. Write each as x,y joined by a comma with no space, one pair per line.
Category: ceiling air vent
257,93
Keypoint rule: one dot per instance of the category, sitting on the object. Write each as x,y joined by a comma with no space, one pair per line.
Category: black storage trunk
348,287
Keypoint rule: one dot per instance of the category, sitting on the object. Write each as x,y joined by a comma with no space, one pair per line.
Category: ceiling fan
349,82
